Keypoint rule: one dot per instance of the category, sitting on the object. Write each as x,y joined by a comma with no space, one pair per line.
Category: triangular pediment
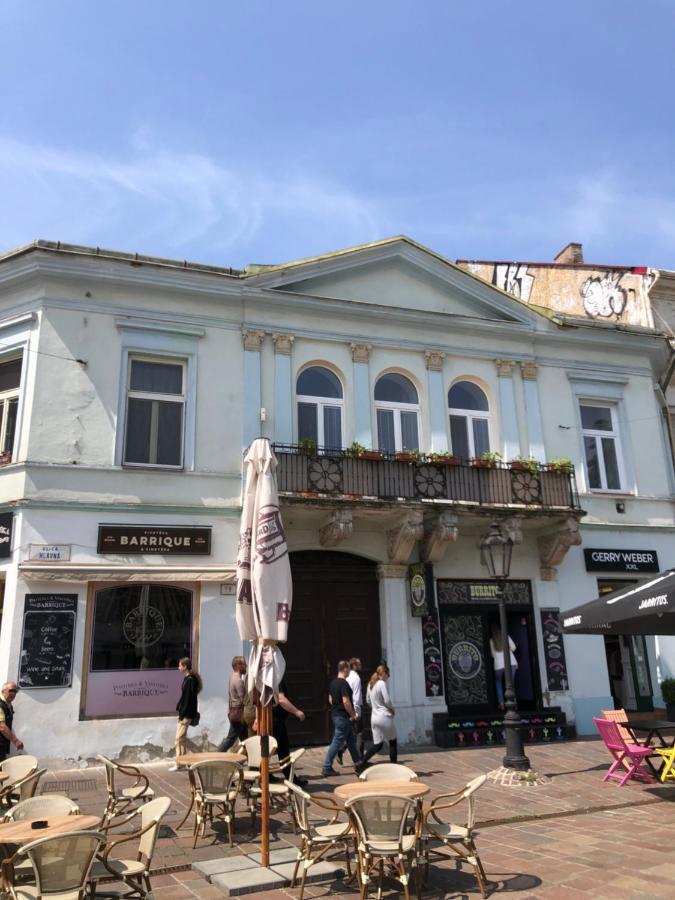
396,273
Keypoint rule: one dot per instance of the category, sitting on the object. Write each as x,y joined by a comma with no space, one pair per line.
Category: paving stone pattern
571,835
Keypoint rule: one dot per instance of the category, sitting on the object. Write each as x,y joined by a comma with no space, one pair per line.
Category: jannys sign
173,539
602,560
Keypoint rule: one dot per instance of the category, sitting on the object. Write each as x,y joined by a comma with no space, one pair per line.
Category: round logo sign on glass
465,660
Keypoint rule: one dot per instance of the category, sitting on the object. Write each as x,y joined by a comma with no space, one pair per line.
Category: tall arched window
319,397
469,420
397,408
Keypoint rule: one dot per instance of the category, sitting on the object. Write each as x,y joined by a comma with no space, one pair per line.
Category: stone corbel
253,340
403,538
361,352
434,359
505,367
337,529
553,547
512,527
439,531
282,343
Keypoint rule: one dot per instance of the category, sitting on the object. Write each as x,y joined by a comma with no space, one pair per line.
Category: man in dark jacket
7,736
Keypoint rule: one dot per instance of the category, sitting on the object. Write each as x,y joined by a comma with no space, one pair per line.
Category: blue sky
233,132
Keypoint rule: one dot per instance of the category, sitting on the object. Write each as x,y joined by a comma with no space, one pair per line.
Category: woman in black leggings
382,718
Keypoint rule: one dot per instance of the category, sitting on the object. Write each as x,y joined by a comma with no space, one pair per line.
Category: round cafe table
21,832
191,759
413,789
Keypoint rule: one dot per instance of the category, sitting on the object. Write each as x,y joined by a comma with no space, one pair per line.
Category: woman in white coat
382,717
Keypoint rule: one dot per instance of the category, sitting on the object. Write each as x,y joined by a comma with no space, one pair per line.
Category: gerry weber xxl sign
620,560
174,539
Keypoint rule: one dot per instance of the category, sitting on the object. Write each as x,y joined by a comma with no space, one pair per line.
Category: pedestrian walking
382,716
7,736
497,652
354,679
236,691
340,697
280,713
187,708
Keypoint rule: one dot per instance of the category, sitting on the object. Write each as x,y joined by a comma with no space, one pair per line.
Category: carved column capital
404,537
434,359
337,529
282,343
529,370
505,367
253,340
553,547
386,570
439,531
361,352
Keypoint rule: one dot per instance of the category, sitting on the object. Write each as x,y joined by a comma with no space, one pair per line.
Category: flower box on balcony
443,459
370,454
407,456
5,458
483,463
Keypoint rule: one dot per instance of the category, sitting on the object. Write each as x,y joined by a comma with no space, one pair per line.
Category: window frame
469,415
159,397
397,408
5,398
320,403
598,435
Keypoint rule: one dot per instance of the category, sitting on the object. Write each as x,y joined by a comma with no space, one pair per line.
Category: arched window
469,420
319,397
397,408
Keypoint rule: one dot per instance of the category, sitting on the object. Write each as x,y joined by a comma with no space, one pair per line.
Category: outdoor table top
191,759
412,789
21,832
649,725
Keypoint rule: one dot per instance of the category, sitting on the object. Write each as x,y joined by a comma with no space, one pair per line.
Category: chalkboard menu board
47,640
554,650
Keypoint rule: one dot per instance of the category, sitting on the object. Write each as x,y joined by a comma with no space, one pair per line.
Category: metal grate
80,785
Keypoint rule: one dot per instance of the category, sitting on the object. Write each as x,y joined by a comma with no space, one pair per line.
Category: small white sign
228,590
49,552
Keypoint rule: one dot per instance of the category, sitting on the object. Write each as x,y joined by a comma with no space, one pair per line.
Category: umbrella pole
263,731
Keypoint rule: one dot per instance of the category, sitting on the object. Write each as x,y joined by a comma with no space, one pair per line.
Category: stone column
395,619
438,414
363,432
253,341
509,417
283,388
535,430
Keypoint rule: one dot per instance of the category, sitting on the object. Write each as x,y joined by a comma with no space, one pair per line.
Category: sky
264,131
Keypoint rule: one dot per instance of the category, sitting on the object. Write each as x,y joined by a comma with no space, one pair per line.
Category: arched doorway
336,615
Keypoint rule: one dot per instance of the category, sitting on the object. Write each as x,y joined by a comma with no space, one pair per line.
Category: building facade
131,386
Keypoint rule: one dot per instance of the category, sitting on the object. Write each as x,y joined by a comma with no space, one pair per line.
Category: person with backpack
187,707
236,692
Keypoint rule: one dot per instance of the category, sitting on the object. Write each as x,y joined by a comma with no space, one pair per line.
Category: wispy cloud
158,200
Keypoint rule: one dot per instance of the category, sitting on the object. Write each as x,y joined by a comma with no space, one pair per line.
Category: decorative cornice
434,359
361,352
505,367
387,570
283,343
130,323
529,370
253,340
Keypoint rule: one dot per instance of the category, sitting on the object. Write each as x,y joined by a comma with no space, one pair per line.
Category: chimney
572,253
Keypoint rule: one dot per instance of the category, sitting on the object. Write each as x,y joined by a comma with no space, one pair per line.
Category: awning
70,572
644,608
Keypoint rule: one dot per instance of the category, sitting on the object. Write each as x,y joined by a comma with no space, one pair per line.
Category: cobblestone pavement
568,835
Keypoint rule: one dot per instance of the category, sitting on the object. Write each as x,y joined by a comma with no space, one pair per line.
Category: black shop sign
176,540
603,560
47,640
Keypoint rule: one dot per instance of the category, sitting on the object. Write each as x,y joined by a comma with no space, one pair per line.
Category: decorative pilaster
403,538
437,401
395,623
253,342
439,531
434,360
509,416
363,432
361,352
553,547
388,570
337,529
535,429
283,388
283,343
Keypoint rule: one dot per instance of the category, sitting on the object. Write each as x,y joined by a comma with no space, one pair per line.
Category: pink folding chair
627,756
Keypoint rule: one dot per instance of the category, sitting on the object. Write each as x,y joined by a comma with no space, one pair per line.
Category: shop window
155,413
602,448
397,410
10,380
138,634
320,405
469,420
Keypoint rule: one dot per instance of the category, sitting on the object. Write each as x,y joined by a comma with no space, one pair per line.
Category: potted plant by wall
443,459
668,693
487,460
307,446
360,452
524,464
560,464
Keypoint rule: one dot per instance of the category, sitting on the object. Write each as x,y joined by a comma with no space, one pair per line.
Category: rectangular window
308,426
155,413
332,427
386,437
409,436
10,379
601,447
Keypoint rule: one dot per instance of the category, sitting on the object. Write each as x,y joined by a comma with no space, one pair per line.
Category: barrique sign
176,540
47,640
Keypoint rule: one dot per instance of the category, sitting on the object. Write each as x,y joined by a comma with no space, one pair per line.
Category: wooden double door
336,615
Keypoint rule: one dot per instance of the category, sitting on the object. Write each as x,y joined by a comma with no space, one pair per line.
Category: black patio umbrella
644,608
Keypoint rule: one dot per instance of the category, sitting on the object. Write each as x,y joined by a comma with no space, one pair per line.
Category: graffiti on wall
514,279
602,295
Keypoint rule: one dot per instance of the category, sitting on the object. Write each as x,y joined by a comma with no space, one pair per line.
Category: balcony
337,473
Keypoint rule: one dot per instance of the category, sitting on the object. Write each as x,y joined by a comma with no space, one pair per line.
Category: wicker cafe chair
124,801
215,785
251,747
61,866
388,772
17,768
381,822
134,873
280,797
42,807
23,789
323,835
457,841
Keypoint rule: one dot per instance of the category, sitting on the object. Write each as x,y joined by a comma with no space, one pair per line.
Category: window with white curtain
469,420
320,406
397,409
602,448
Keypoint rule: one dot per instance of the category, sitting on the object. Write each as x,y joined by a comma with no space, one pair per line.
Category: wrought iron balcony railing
339,473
